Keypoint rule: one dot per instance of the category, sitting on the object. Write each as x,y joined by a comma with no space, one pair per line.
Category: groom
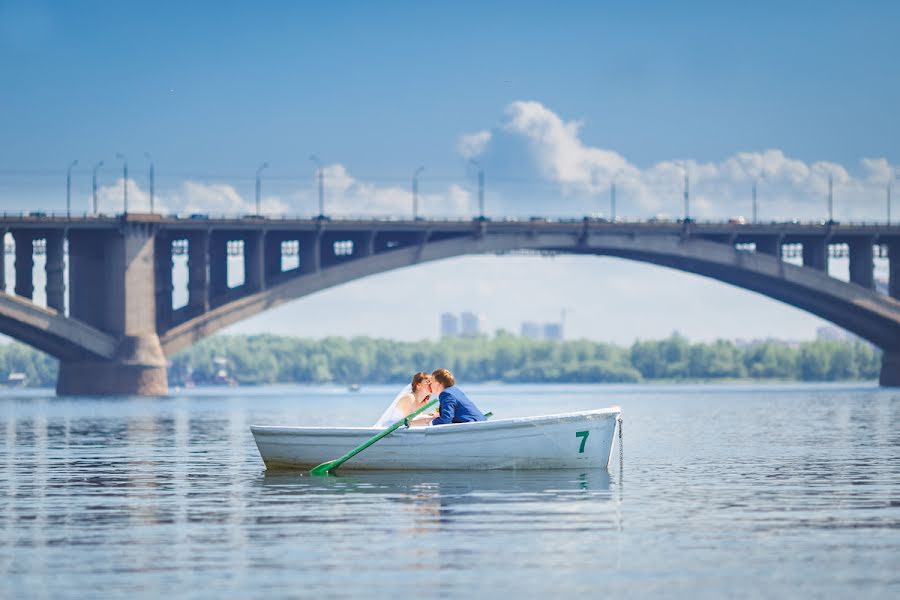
455,405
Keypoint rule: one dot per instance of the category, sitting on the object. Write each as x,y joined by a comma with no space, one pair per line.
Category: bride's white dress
393,413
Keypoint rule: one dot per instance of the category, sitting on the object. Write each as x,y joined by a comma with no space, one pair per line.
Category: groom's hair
444,377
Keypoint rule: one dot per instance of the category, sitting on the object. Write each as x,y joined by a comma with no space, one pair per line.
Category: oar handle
327,467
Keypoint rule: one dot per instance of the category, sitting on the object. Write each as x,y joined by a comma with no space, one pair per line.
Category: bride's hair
417,379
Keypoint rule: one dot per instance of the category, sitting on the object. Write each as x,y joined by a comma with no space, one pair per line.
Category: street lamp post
94,184
612,196
830,198
124,182
753,220
755,214
687,193
259,171
889,186
152,183
69,189
480,188
319,176
415,190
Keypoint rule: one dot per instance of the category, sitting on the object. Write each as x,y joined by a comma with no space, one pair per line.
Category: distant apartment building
466,324
541,331
449,325
471,325
553,332
531,330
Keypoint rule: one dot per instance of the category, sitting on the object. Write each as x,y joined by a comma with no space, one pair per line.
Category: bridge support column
894,269
310,252
3,233
770,246
862,266
815,254
218,265
890,369
24,264
254,257
198,276
55,268
164,285
122,264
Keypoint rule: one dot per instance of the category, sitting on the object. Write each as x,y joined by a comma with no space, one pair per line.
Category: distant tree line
260,359
263,359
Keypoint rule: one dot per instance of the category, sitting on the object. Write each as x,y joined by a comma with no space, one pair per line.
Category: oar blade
324,469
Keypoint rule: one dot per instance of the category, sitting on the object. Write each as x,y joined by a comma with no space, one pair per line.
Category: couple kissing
455,406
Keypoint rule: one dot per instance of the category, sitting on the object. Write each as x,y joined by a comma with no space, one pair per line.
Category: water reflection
135,496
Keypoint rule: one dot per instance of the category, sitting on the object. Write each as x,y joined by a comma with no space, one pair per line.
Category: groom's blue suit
457,408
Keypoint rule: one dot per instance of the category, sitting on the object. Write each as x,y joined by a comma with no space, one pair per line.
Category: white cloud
786,187
188,197
471,145
347,196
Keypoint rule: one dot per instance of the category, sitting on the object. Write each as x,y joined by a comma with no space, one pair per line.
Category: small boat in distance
354,387
565,441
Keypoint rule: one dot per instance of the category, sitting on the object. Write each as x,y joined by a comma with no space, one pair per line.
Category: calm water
738,491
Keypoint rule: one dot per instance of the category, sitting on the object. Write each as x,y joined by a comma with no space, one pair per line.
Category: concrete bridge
121,325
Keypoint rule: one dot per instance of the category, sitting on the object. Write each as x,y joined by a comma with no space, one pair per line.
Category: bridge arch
870,315
52,332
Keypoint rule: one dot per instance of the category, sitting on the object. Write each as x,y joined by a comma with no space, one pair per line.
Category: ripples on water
758,491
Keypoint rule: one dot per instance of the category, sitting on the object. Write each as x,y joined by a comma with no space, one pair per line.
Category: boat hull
573,440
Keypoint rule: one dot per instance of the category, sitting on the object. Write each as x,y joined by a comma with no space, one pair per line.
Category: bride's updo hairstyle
418,378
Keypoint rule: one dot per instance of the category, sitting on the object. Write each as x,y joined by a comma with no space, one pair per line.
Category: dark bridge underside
124,335
857,309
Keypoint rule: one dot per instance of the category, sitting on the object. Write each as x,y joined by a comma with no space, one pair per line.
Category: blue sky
564,96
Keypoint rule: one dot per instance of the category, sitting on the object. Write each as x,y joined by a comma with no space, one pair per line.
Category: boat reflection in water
421,501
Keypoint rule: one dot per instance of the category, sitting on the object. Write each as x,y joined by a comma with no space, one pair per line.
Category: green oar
329,467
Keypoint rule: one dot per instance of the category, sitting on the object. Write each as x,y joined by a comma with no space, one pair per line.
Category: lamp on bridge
94,184
755,186
69,188
150,158
687,191
612,195
891,179
319,176
259,171
830,198
477,164
415,188
125,181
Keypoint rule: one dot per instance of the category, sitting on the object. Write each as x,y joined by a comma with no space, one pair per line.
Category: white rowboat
566,441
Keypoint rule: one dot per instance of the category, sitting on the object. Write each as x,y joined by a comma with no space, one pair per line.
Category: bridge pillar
254,261
890,369
164,284
114,288
815,254
310,252
770,246
862,266
24,264
55,269
3,233
272,259
218,264
198,275
894,269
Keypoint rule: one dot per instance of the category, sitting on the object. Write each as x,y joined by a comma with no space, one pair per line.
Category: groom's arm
448,411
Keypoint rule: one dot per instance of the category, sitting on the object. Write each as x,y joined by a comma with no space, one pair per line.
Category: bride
408,400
